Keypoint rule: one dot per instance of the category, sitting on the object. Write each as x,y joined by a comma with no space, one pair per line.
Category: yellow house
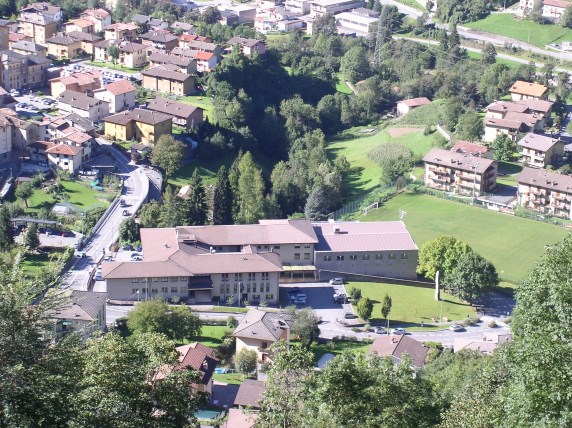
168,79
63,46
141,125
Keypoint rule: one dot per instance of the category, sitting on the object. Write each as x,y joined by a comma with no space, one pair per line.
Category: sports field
512,244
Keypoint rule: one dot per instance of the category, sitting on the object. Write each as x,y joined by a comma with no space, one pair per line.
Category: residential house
185,115
539,151
39,21
83,105
64,157
405,106
248,47
62,46
146,21
25,47
22,71
397,346
527,6
300,7
138,124
288,25
5,137
22,132
185,39
186,65
259,330
554,9
100,18
249,394
83,82
239,418
54,128
353,21
206,61
196,45
489,343
539,111
37,152
131,55
159,41
120,95
121,31
545,192
168,79
509,127
185,27
539,108
521,90
459,173
82,25
374,249
198,357
333,7
87,41
472,149
83,314
17,37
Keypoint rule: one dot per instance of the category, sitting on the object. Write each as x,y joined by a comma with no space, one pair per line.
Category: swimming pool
207,415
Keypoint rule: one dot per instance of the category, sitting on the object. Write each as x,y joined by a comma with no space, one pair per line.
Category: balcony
440,170
440,179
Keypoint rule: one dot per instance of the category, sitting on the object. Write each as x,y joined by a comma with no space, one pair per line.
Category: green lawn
79,194
33,263
412,3
114,67
511,169
525,30
512,244
231,378
201,101
226,309
412,306
336,348
211,335
341,85
507,62
365,172
430,114
207,168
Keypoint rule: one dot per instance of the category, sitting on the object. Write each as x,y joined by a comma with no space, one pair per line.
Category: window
174,289
264,345
306,245
276,247
227,288
379,256
307,256
365,257
340,258
134,280
254,288
225,277
248,287
174,279
265,276
164,279
155,279
296,245
296,256
327,258
353,256
134,290
267,287
164,290
404,256
235,288
259,247
269,296
182,278
238,277
251,276
391,256
154,291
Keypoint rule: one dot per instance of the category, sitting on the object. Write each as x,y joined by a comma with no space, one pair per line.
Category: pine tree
222,200
32,239
6,238
454,44
196,203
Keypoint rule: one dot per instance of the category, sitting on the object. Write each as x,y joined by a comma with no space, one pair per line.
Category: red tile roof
120,87
64,149
203,56
395,346
416,102
527,88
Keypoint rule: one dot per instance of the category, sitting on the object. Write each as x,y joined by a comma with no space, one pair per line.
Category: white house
120,95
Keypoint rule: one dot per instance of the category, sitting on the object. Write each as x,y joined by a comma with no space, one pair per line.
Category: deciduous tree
386,307
489,54
471,277
440,254
306,326
503,148
6,236
168,154
364,308
24,191
470,126
129,231
245,361
32,240
355,65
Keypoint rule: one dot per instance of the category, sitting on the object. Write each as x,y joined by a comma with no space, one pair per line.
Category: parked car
80,254
336,281
122,203
107,259
128,247
294,290
398,331
340,298
126,213
350,316
456,327
133,255
137,259
300,299
294,297
377,330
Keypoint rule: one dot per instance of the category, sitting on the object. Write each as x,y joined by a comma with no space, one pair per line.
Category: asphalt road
135,189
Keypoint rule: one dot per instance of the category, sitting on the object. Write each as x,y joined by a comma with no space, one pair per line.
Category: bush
354,293
245,361
492,324
231,322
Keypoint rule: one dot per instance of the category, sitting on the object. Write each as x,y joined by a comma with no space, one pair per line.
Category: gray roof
250,393
183,26
545,179
140,19
174,108
139,115
262,325
164,58
163,72
37,60
541,143
188,53
459,161
244,42
83,305
366,236
78,100
81,122
86,37
24,45
62,39
159,37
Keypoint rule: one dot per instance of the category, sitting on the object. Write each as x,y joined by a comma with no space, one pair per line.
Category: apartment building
121,31
357,22
100,18
81,25
22,71
248,47
39,21
83,313
82,105
168,79
120,95
459,173
521,90
300,7
545,192
141,125
333,7
186,65
184,115
87,81
539,151
161,41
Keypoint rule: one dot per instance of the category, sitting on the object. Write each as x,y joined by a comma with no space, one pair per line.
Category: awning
307,268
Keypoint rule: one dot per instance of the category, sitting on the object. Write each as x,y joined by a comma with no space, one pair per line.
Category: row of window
251,276
163,279
253,297
164,290
225,288
307,256
353,257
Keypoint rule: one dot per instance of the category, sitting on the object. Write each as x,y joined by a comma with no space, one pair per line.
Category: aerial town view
286,213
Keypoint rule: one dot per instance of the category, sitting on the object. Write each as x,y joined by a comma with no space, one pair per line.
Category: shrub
231,322
492,324
354,293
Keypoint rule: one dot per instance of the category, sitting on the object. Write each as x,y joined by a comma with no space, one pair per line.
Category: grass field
512,244
412,306
524,30
211,335
507,62
114,67
412,3
336,348
231,378
430,114
79,194
365,172
509,170
33,263
341,85
207,168
201,101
